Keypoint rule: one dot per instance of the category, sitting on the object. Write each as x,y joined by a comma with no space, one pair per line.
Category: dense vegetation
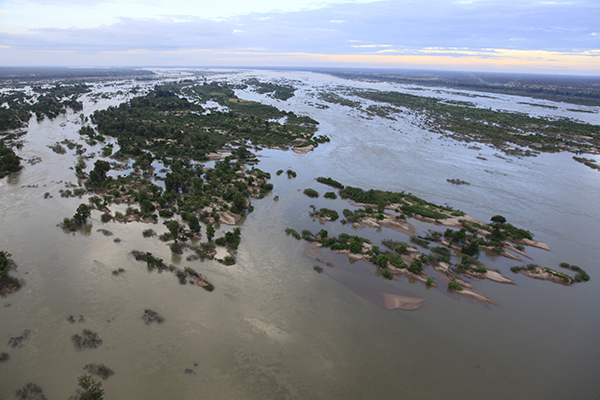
405,202
281,92
9,161
464,121
16,107
20,74
568,89
170,125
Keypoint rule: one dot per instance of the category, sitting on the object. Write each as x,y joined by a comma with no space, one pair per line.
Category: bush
311,193
148,233
387,274
330,182
421,242
416,267
453,285
330,195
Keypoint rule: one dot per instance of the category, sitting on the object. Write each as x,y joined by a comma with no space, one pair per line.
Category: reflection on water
273,327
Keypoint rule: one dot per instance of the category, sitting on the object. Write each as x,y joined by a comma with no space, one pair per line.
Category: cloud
382,30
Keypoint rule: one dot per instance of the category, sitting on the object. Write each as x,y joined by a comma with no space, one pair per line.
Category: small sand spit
303,150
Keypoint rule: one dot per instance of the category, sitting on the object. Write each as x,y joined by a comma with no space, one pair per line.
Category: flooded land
257,234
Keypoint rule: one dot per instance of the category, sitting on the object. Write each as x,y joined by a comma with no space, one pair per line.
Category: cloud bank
560,36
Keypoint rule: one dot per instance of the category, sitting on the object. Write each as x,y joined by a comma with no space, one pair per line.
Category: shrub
86,340
330,182
330,195
151,316
148,233
228,260
311,193
387,274
453,285
421,242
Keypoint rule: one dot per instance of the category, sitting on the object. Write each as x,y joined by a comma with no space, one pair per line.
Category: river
276,329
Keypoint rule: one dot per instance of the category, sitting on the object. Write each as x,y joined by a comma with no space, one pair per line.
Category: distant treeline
572,89
40,73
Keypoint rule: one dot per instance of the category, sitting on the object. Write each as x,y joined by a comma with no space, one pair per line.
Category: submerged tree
92,388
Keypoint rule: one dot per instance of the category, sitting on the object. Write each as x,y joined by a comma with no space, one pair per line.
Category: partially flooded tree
98,174
92,389
9,161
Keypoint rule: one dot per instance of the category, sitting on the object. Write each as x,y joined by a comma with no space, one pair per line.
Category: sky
554,37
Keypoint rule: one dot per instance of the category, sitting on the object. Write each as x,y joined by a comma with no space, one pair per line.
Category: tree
210,231
98,174
173,227
9,161
498,219
92,389
193,223
82,214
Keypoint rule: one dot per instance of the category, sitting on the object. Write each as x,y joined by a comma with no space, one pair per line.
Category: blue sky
485,35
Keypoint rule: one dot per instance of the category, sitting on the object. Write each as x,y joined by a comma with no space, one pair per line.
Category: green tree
82,214
210,231
174,228
498,219
9,161
193,223
98,174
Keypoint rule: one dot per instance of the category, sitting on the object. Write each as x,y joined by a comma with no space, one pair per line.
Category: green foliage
387,274
421,242
330,182
174,229
416,206
498,219
231,239
210,231
397,246
6,263
325,213
281,92
453,285
98,174
311,193
416,267
9,161
466,122
290,231
228,259
82,214
330,195
356,244
471,249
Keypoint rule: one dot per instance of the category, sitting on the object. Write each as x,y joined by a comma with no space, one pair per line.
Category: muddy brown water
274,327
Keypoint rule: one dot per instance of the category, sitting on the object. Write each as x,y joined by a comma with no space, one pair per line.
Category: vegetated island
464,240
511,132
168,127
568,89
